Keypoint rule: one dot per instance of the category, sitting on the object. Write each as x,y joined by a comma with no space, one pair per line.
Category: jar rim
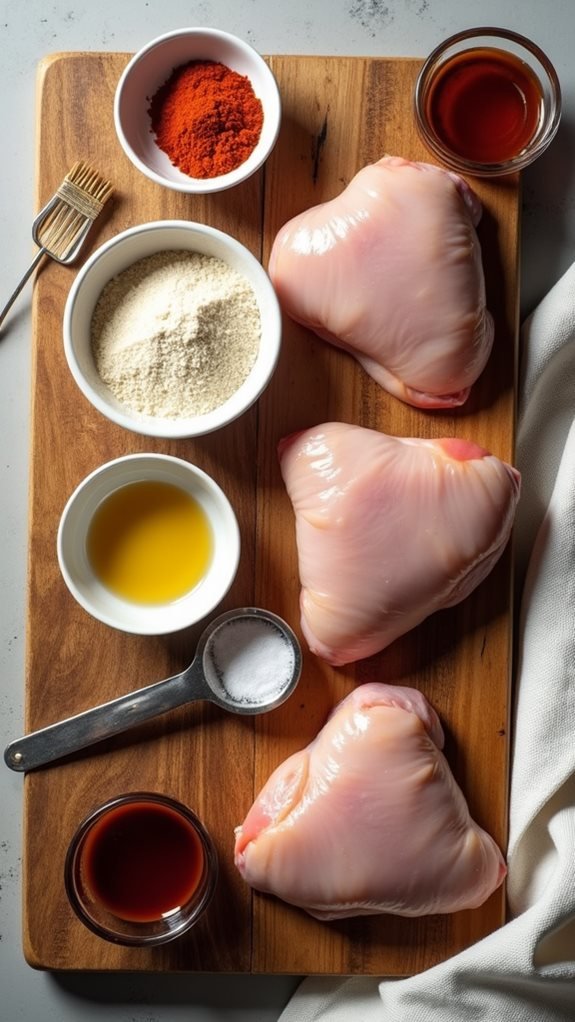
552,112
126,932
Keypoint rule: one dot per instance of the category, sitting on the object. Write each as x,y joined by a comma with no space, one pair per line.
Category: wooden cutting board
338,115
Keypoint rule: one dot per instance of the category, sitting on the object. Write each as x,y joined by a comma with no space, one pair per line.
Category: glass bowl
487,102
140,870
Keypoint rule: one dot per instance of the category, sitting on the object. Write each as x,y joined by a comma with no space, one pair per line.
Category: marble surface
28,31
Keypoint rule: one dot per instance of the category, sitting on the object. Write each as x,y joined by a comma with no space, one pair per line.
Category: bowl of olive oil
148,544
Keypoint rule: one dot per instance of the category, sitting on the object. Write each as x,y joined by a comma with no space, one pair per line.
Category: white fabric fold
525,971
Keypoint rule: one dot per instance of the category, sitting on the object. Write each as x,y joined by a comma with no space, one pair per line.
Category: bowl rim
133,934
184,427
449,156
148,615
251,165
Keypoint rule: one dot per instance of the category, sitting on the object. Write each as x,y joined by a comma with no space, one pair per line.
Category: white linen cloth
524,972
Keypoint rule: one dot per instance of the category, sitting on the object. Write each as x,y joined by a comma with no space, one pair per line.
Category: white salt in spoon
247,661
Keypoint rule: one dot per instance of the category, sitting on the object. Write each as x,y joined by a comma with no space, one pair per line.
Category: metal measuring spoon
222,658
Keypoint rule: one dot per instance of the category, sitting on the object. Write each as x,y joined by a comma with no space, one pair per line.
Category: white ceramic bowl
140,618
152,66
119,253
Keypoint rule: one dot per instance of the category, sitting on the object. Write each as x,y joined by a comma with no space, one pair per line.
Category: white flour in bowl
175,334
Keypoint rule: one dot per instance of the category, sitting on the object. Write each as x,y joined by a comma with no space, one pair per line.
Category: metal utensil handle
37,258
57,740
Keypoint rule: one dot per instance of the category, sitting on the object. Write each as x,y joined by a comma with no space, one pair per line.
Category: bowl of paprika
197,110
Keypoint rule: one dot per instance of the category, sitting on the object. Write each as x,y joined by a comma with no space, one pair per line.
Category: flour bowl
154,66
124,398
126,534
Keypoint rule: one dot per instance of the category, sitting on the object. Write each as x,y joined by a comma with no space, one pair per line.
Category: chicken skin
389,530
391,271
369,819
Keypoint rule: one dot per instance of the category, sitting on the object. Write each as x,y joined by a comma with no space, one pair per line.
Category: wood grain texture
339,114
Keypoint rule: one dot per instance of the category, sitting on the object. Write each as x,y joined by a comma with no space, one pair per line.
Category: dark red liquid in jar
485,105
142,860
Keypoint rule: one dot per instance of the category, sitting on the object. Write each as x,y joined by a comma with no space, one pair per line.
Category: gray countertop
28,31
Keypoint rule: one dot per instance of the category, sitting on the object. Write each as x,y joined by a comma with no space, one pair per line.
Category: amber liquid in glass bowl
485,105
142,861
487,102
141,869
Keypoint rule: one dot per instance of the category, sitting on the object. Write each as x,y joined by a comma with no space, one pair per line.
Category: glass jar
141,869
487,102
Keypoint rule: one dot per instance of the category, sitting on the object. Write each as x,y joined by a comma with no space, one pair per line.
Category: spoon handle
57,740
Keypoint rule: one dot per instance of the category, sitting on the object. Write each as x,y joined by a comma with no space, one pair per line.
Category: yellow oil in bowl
150,542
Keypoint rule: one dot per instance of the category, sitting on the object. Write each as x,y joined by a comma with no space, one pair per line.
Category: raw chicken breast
389,530
391,271
368,818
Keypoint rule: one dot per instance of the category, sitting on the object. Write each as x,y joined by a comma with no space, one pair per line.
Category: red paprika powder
206,118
